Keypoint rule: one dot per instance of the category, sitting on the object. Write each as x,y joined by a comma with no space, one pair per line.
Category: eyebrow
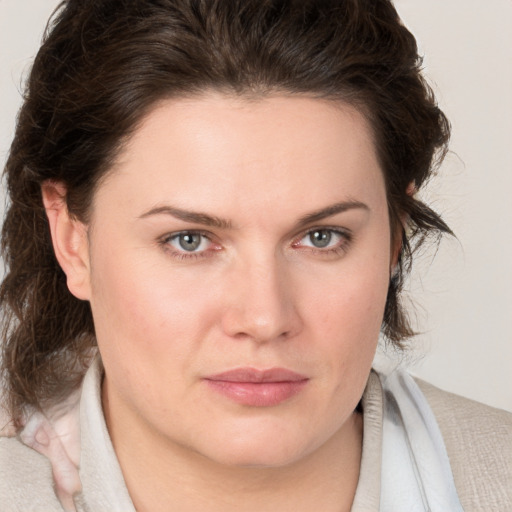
189,216
331,210
217,222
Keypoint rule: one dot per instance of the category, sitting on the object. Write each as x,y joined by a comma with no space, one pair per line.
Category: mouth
257,388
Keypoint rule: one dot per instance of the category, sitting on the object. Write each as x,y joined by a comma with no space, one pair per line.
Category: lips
257,388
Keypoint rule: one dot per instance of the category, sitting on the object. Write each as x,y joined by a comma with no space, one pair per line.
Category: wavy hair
104,63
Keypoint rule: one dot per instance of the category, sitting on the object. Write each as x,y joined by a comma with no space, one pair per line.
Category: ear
69,238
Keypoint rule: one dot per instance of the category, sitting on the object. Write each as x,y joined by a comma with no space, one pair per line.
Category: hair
104,64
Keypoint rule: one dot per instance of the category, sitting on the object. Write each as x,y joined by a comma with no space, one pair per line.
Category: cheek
351,301
145,316
347,315
147,330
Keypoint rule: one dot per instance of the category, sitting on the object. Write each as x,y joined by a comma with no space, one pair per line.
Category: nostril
263,326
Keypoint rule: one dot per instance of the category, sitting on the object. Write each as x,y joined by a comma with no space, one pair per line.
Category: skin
255,293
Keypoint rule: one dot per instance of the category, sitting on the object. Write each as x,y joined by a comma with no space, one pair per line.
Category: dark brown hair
104,63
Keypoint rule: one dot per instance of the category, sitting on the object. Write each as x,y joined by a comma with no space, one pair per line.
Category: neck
162,476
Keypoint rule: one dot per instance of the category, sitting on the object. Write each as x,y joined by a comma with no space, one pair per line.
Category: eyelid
174,234
165,240
344,233
335,229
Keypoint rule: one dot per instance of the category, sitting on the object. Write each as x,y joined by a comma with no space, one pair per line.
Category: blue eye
320,238
325,238
189,241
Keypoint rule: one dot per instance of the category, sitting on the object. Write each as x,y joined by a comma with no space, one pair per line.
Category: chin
251,458
257,451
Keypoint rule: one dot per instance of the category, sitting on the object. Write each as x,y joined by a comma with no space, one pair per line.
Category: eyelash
185,255
345,236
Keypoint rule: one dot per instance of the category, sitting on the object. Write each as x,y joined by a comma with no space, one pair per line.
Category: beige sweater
478,441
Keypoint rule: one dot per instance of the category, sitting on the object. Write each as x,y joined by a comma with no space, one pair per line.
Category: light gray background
463,296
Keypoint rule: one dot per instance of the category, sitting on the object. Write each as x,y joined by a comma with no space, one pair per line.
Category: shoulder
25,479
478,440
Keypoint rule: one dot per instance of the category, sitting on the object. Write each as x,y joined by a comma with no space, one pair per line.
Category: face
239,265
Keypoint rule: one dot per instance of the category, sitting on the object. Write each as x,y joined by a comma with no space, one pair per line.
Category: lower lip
258,394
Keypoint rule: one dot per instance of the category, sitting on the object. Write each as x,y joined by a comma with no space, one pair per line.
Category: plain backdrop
463,293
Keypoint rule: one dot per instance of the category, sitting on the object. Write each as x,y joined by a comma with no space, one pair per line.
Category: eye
188,241
320,238
324,239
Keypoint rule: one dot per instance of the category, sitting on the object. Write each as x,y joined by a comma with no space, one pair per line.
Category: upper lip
256,375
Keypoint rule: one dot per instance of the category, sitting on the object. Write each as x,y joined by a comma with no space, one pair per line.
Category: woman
212,210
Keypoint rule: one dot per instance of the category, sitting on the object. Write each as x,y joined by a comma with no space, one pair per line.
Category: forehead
222,151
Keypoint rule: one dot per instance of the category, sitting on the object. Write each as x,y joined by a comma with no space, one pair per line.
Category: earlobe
69,239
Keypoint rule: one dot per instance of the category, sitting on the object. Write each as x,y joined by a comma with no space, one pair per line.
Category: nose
262,303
